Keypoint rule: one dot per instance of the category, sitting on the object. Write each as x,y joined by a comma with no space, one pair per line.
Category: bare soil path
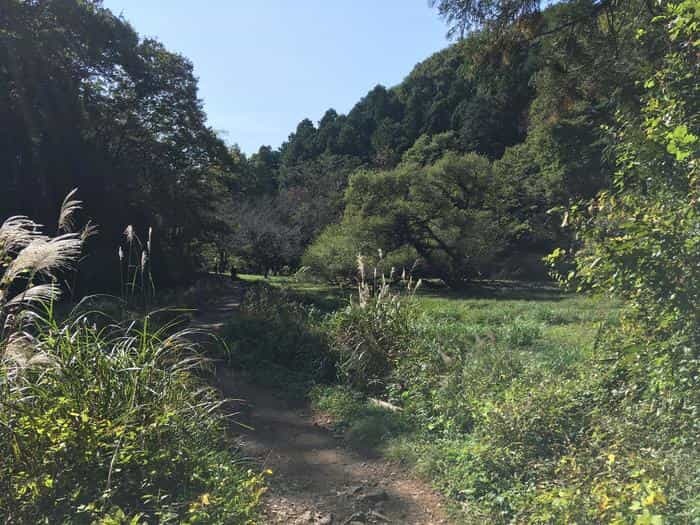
316,478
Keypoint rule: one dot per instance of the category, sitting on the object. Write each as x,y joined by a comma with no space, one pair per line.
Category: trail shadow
498,290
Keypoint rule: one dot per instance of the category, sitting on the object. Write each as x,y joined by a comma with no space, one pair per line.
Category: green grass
485,363
320,295
550,328
506,402
557,329
568,321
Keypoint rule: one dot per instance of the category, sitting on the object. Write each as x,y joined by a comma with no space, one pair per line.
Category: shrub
99,421
273,335
332,255
370,335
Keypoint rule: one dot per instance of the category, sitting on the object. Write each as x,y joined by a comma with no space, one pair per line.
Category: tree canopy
535,107
531,90
86,103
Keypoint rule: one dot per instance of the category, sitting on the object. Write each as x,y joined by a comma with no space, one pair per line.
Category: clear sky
264,65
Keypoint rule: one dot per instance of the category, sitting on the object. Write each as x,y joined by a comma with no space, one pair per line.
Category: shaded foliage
86,103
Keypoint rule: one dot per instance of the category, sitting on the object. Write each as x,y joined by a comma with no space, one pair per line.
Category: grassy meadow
550,139
497,394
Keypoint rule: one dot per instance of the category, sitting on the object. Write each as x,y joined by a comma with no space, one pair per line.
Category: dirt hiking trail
316,478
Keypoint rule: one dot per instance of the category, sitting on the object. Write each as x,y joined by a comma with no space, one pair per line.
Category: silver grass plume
21,354
361,266
36,294
88,231
27,252
16,233
44,256
129,233
68,209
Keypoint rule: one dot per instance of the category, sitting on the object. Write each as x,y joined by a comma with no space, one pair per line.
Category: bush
332,255
341,402
97,422
273,336
370,335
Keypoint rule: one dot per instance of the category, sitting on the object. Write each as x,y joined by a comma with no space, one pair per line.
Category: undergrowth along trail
315,477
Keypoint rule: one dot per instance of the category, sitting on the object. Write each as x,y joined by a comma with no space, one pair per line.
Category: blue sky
264,65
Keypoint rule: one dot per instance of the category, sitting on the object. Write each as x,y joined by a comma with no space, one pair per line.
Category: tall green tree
641,237
86,103
442,215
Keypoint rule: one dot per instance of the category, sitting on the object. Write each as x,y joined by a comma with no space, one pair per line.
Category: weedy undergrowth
279,340
99,421
371,333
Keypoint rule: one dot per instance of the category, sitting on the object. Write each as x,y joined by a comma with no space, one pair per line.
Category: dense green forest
88,104
521,118
459,165
549,141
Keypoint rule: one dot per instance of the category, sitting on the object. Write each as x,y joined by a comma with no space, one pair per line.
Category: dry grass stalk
27,253
379,288
68,209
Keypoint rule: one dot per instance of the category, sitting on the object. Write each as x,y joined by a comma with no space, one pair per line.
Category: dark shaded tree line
86,103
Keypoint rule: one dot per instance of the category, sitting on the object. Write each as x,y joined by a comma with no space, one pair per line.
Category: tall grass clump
135,275
99,421
279,340
371,333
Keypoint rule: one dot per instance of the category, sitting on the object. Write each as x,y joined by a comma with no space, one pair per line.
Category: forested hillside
478,143
521,115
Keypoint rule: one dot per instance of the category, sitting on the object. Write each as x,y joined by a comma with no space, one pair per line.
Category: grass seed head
16,233
129,233
68,209
43,256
